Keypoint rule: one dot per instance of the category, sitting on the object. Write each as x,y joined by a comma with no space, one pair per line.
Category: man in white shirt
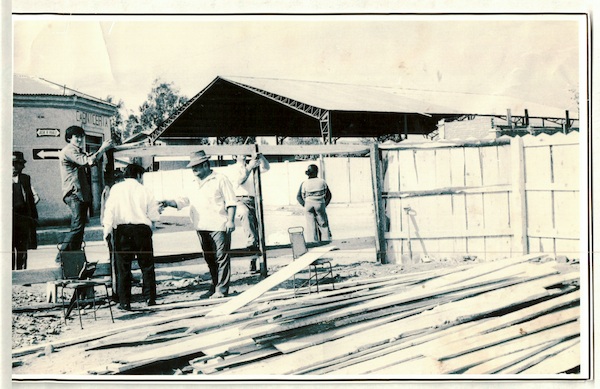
246,199
129,214
212,205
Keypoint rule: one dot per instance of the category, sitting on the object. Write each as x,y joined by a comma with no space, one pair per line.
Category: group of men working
130,211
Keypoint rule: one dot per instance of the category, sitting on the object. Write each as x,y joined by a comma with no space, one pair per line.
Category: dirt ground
41,326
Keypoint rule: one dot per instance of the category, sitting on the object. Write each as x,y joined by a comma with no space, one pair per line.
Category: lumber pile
514,316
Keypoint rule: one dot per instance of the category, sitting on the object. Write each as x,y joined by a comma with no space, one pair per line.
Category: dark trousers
72,240
20,241
134,241
215,247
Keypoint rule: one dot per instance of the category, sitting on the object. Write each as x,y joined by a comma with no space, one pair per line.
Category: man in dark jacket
25,214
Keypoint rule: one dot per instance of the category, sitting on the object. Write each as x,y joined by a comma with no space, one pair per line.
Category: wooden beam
269,283
380,217
143,150
260,216
518,205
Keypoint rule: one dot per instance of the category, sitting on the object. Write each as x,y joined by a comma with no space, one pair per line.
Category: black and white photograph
271,195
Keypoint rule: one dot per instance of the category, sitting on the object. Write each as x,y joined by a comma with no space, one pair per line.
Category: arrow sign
45,153
47,132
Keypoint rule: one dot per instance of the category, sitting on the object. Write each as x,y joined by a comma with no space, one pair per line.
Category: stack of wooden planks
513,316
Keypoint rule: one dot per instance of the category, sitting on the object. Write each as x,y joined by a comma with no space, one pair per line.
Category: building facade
42,111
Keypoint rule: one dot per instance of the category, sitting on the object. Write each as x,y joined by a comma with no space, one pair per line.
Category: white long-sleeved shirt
208,202
129,202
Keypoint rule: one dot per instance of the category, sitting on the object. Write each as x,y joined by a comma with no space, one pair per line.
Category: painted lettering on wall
91,118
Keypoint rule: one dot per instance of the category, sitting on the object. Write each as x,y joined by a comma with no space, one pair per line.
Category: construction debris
513,316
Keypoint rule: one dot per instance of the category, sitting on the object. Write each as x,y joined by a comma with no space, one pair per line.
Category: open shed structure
237,106
242,106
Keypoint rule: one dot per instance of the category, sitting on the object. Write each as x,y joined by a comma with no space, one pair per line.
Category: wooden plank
270,282
500,357
440,144
518,205
379,205
360,362
90,336
184,151
520,367
567,356
235,360
468,344
452,234
316,355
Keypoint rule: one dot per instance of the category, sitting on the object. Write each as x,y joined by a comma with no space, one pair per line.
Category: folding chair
314,276
77,271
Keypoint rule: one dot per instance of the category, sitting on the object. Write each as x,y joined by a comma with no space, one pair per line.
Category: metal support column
325,125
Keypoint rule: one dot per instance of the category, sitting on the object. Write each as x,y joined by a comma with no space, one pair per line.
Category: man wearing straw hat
212,205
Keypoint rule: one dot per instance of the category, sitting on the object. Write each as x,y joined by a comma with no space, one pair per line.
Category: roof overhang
236,106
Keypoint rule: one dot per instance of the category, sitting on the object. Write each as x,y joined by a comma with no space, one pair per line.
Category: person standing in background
246,199
76,190
212,205
25,215
314,195
129,215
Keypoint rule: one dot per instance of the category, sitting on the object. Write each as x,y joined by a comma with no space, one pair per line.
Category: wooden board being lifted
142,149
270,282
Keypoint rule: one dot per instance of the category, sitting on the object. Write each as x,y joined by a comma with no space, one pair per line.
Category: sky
535,58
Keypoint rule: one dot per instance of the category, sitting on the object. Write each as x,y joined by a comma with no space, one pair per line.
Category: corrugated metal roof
30,85
346,97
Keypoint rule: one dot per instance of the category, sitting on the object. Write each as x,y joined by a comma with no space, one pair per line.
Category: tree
132,126
116,129
163,100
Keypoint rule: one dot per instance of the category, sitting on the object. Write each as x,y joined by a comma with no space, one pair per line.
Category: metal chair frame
299,248
76,271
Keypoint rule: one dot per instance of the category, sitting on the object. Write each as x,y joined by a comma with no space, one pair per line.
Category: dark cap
312,170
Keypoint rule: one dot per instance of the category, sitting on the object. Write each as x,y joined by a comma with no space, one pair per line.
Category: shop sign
47,132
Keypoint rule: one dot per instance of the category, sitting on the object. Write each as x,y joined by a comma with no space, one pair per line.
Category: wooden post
380,221
518,200
260,218
567,122
109,170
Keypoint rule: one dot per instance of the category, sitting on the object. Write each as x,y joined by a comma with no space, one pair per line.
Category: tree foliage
116,128
163,100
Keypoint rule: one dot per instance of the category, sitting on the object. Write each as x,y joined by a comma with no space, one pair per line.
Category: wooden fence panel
391,173
565,159
457,167
473,172
465,201
360,180
337,175
408,170
443,168
552,192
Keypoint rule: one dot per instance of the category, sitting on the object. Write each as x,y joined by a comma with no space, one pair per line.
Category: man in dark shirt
76,189
25,214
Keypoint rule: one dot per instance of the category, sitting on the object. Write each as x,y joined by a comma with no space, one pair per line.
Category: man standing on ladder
246,200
